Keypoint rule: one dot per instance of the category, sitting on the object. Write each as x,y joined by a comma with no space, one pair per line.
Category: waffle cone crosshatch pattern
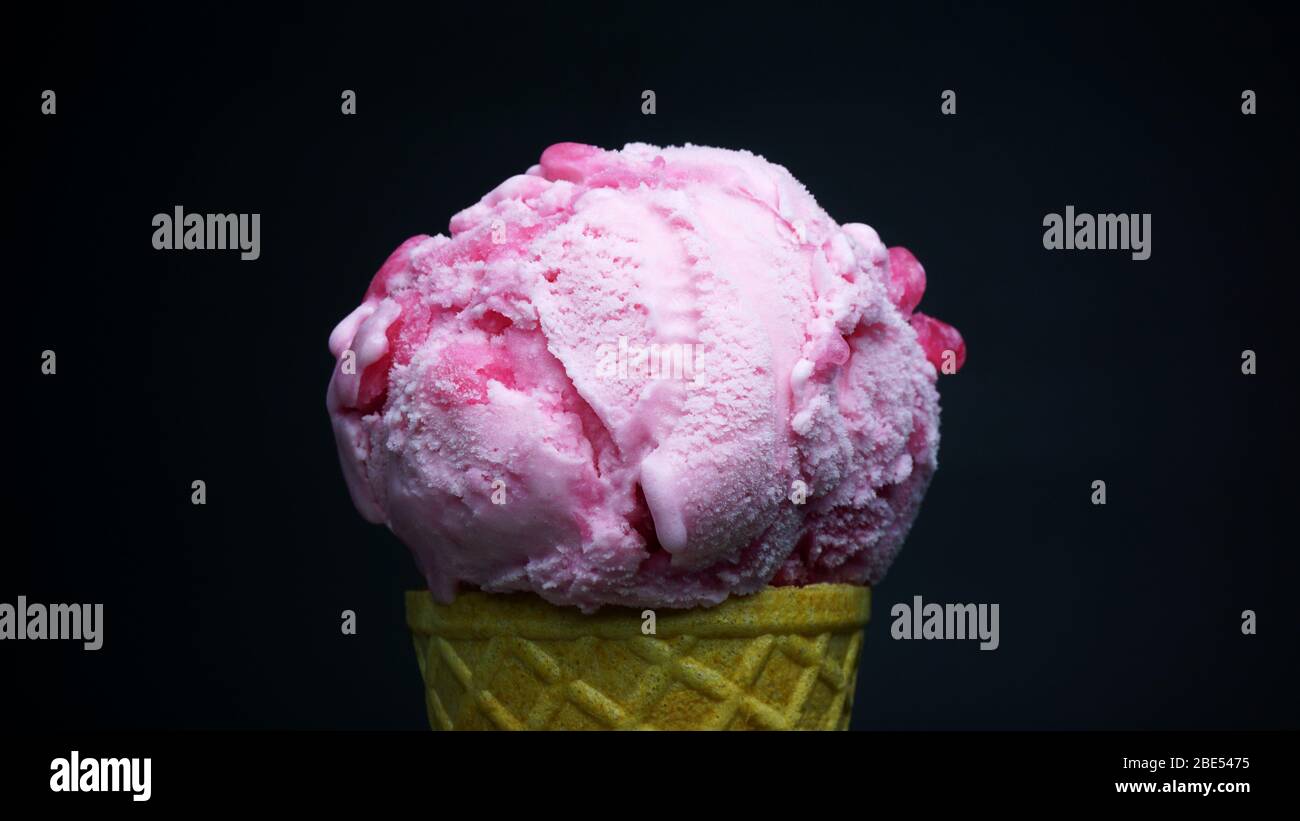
783,659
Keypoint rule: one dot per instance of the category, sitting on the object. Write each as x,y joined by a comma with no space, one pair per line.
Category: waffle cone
781,659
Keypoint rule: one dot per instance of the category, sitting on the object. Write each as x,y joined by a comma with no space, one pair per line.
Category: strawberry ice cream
651,377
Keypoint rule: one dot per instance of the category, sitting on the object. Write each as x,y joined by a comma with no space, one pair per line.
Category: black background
1087,365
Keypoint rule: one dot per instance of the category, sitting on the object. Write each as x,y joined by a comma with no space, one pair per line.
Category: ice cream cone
782,659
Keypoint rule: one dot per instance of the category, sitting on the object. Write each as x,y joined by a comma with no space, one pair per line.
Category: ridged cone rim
810,610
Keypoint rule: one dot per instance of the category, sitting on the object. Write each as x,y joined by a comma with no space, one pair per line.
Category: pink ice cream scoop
649,377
